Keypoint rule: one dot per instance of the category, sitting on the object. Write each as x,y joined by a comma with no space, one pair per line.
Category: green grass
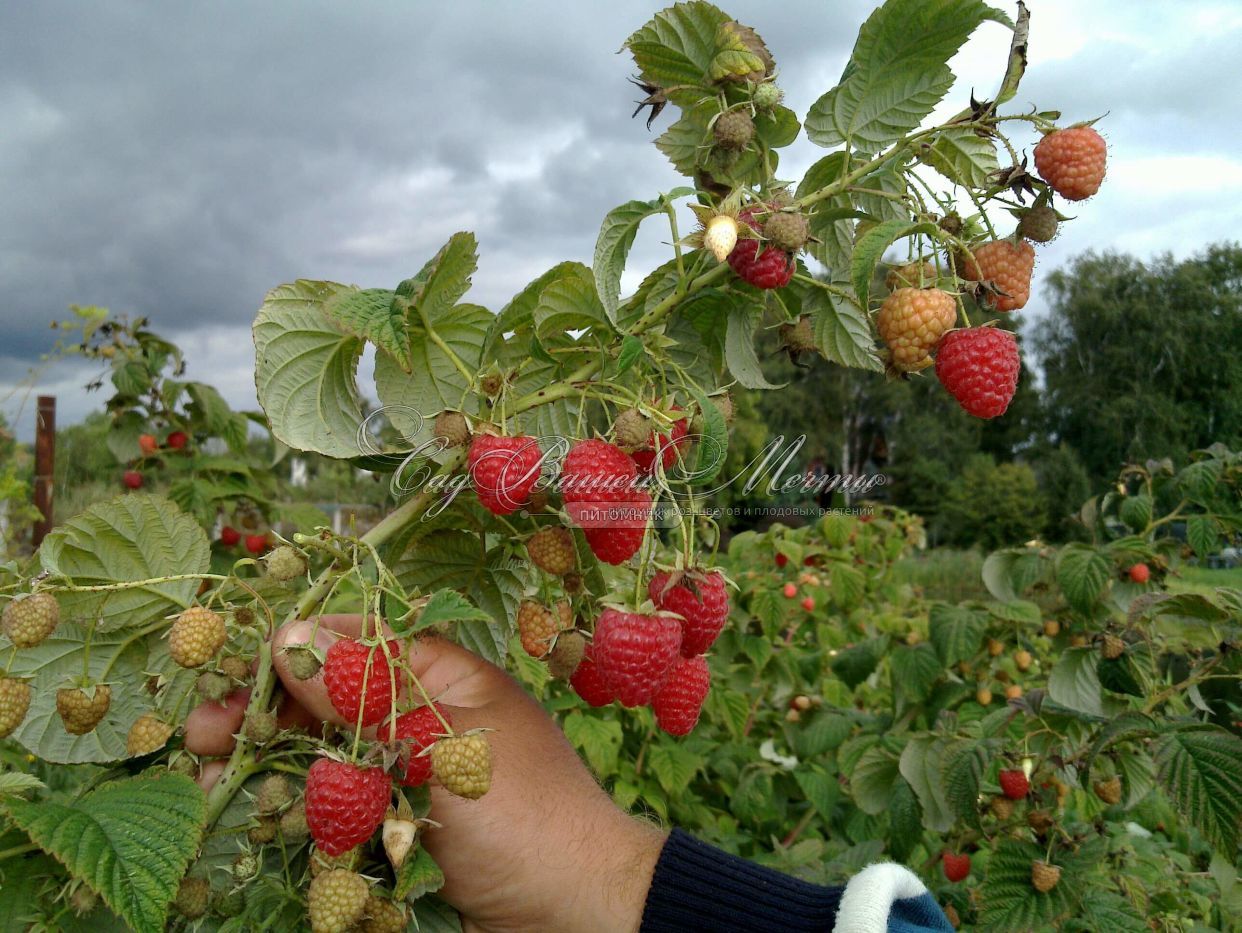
944,574
1202,580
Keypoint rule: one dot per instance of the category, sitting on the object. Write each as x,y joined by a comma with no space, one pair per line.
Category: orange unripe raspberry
81,712
912,321
14,703
1072,161
147,734
911,275
28,620
1007,266
196,637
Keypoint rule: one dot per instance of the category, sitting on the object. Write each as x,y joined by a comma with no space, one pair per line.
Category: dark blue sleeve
699,887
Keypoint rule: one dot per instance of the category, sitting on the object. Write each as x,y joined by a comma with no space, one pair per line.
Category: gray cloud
177,160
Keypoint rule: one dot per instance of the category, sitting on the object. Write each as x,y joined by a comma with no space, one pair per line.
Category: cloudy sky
178,160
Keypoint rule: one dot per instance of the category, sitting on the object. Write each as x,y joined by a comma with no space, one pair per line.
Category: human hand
545,849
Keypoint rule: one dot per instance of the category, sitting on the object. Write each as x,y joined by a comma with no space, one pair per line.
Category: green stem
18,850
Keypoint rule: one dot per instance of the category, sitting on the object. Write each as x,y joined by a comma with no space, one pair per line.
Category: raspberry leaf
712,441
676,47
963,157
306,367
131,537
922,765
841,330
1197,765
1074,683
374,315
956,632
129,840
871,246
1083,574
740,354
572,303
418,876
443,606
612,246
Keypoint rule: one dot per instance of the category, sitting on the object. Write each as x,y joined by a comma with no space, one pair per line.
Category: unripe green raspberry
285,563
631,429
787,230
453,427
293,825
192,898
336,900
767,96
733,130
274,794
213,686
799,337
260,727
303,662
28,620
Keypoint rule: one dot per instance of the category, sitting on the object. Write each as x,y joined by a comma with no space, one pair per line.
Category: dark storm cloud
178,160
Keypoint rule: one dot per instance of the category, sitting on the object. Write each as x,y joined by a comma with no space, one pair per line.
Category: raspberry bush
551,458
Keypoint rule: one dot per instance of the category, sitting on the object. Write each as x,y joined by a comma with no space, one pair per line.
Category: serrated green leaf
612,246
842,332
711,441
1203,534
1074,682
517,317
123,540
1083,574
854,665
740,354
1197,766
674,766
16,783
432,915
922,765
871,246
905,822
677,46
444,606
962,156
848,585
965,763
1107,910
305,369
820,790
631,349
371,313
824,733
1135,511
1018,611
130,840
914,670
1008,898
873,111
956,632
873,779
419,875
598,739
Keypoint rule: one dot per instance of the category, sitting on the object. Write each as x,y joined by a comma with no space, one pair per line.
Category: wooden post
45,462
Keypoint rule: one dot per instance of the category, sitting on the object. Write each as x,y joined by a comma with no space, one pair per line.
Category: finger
210,727
210,773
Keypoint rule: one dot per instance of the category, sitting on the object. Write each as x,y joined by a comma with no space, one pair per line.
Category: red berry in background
504,470
132,479
346,665
955,867
701,600
1007,266
679,700
634,652
589,683
760,264
1140,573
148,444
345,804
669,445
420,727
979,366
1072,161
229,536
790,591
808,604
1014,784
613,531
781,559
177,440
596,471
256,544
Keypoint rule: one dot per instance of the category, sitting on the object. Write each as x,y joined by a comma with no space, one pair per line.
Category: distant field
1199,579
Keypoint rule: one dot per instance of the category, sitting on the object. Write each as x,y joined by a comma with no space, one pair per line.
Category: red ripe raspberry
760,264
345,804
504,471
589,683
229,536
700,599
912,321
1014,784
956,867
421,727
1007,266
679,700
1140,573
256,544
781,559
350,662
635,652
670,446
132,479
979,366
598,472
614,532
1072,161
